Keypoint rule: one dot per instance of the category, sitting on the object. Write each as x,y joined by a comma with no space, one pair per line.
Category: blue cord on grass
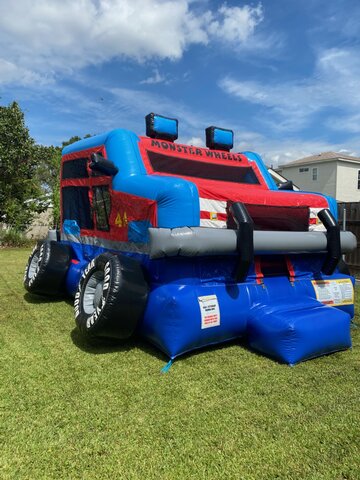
167,367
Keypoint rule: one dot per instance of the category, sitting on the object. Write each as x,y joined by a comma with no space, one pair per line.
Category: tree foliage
48,177
29,173
48,173
71,140
20,192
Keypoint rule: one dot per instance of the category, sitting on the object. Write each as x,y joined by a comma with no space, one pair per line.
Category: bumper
202,241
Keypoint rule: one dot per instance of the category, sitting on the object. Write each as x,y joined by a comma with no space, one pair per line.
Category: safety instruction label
334,292
210,312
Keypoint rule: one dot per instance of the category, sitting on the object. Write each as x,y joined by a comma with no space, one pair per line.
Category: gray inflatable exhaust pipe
201,241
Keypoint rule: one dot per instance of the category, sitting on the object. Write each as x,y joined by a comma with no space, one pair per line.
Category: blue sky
283,74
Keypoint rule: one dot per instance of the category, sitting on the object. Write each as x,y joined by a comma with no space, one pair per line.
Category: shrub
14,238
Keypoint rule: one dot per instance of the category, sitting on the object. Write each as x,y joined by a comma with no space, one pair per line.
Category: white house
331,173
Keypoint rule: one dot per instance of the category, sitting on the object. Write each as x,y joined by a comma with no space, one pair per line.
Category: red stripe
86,182
258,272
207,216
290,268
84,153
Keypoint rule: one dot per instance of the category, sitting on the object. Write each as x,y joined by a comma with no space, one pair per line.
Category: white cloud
347,123
155,78
281,151
196,142
335,83
137,101
236,24
128,105
9,72
341,24
120,107
49,37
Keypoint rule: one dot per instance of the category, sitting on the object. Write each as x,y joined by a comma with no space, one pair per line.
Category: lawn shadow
41,299
243,344
107,345
103,346
240,342
210,348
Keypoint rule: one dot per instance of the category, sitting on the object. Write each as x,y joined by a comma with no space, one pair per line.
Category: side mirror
288,185
100,164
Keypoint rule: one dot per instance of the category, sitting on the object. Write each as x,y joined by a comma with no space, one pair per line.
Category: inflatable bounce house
190,247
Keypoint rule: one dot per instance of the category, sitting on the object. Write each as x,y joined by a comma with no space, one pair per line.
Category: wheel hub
33,265
93,292
98,294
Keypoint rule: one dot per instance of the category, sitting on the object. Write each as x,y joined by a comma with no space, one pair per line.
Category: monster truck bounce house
192,246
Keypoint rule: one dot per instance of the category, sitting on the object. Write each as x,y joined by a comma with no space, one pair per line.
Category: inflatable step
297,331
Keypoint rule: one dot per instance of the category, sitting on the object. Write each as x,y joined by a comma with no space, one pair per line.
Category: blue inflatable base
174,320
280,319
297,331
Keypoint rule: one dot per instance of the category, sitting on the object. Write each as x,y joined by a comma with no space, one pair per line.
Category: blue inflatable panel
73,276
175,317
299,330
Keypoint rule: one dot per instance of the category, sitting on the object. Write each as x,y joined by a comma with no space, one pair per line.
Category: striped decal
315,225
213,213
212,223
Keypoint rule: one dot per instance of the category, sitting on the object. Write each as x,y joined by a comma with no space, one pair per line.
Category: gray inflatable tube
201,241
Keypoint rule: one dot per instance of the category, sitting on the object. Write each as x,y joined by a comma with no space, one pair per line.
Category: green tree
29,173
71,140
20,192
48,177
48,173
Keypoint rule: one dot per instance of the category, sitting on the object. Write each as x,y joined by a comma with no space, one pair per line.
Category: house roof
321,157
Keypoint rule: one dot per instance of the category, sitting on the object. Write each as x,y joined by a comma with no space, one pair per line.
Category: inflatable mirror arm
245,239
333,241
288,185
101,164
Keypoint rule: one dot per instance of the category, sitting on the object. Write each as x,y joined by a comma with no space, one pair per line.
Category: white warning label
334,292
210,312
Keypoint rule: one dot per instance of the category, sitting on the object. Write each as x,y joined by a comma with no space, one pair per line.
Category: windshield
210,171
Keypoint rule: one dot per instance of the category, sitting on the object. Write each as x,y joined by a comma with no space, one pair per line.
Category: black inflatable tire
343,267
46,269
111,297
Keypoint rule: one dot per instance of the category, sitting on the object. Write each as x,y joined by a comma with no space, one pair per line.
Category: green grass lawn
72,411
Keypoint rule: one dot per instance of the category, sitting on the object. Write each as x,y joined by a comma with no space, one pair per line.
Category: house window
358,179
315,174
102,206
303,169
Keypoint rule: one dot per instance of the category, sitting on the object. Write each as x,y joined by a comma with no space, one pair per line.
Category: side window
76,206
75,168
102,205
